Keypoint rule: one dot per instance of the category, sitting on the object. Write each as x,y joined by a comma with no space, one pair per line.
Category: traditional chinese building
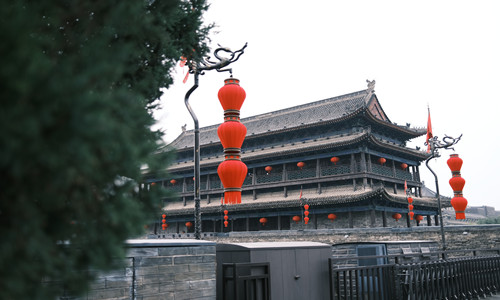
341,156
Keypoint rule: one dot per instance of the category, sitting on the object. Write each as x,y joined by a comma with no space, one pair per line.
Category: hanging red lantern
153,183
164,226
410,200
189,225
457,183
459,203
232,173
226,217
164,216
226,212
306,206
231,95
332,217
306,213
268,169
226,223
231,134
455,163
300,164
296,219
410,207
334,160
173,181
306,220
396,216
419,218
382,160
263,221
411,214
164,221
404,166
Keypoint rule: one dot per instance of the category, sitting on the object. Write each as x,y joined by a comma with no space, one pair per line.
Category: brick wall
457,237
161,269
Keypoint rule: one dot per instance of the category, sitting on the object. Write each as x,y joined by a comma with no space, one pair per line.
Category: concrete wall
161,269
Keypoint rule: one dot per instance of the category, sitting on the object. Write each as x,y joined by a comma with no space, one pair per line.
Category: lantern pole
435,145
198,68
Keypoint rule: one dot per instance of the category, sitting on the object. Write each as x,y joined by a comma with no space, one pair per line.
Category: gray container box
299,270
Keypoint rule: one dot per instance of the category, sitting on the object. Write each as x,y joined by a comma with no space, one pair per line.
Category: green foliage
78,83
491,220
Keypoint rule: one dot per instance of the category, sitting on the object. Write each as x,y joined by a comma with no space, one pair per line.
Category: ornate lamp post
198,68
435,144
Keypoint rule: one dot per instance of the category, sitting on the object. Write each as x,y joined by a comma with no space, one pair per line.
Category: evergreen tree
78,83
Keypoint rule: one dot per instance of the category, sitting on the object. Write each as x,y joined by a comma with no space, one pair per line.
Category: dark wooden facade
358,189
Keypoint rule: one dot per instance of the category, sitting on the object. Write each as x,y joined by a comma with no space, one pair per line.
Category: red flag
406,187
429,131
300,196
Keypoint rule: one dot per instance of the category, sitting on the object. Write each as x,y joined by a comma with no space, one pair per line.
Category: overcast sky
441,54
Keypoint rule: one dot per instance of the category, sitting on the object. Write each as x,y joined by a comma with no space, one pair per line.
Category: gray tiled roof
324,110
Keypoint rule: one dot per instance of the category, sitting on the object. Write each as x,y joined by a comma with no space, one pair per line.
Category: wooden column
215,225
429,220
208,188
351,223
279,222
318,169
372,217
284,173
436,220
408,223
384,219
364,169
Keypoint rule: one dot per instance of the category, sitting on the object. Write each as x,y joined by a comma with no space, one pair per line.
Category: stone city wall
160,269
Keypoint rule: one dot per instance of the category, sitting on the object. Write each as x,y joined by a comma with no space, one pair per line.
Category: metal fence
245,281
458,277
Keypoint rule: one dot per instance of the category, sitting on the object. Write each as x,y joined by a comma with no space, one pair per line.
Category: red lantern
334,160
263,221
189,225
410,207
306,219
332,217
455,163
232,173
457,183
164,216
173,181
396,216
164,221
419,218
296,219
164,226
226,212
459,203
231,134
404,166
411,215
306,207
226,217
268,169
300,164
226,223
410,200
153,183
382,160
231,95
306,213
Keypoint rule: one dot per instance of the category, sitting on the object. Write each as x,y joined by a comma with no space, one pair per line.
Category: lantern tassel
232,197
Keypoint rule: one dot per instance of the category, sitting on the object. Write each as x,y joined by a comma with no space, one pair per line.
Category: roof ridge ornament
371,86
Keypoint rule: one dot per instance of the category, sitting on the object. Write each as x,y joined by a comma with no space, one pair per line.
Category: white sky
445,54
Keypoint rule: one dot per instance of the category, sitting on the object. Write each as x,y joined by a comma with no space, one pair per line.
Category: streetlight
435,144
198,68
